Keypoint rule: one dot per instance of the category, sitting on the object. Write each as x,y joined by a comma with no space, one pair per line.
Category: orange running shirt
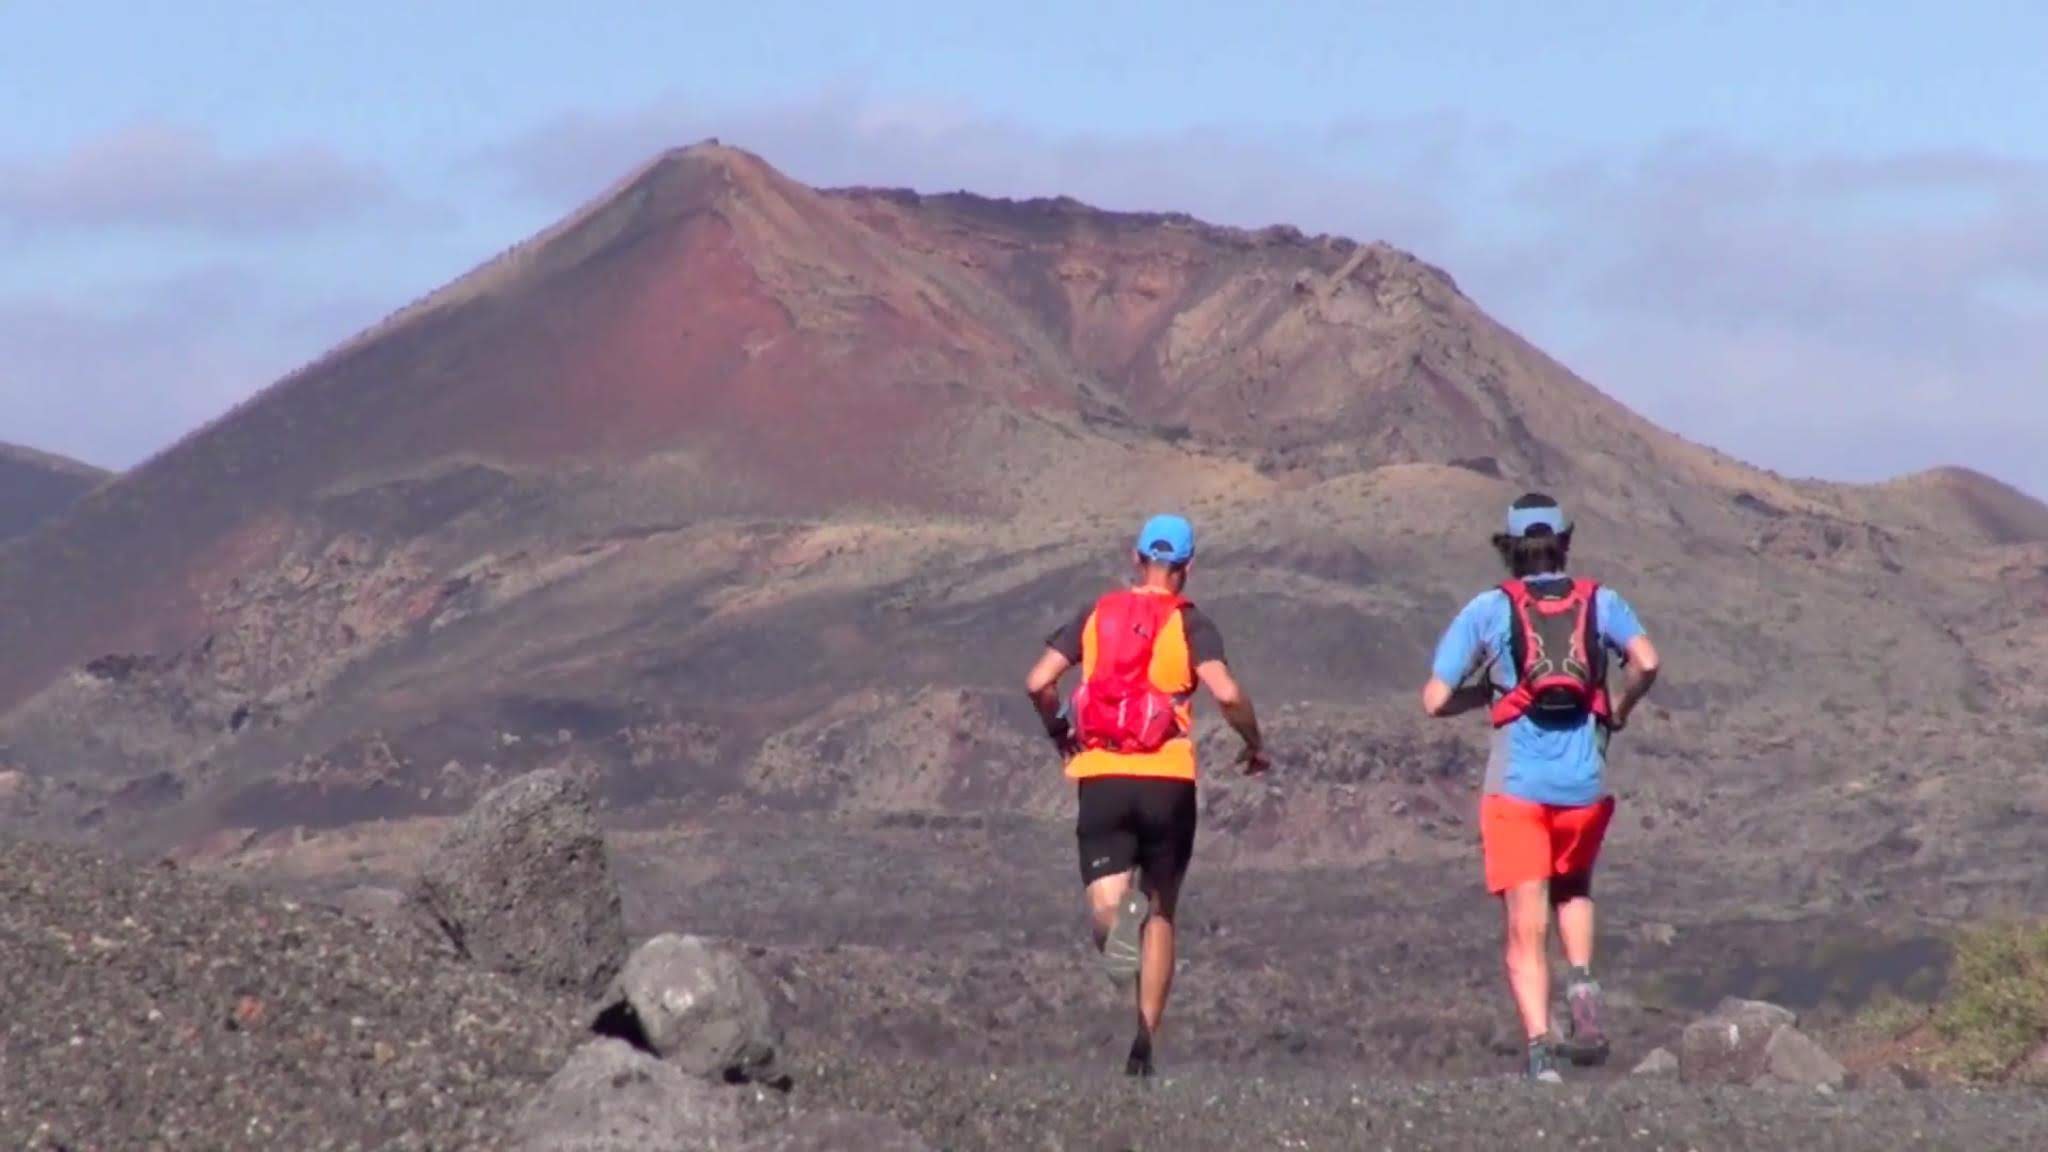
1188,639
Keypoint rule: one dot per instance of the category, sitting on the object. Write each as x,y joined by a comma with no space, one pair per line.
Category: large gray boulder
522,885
1728,1046
1792,1057
1749,1042
698,1006
612,1097
838,1132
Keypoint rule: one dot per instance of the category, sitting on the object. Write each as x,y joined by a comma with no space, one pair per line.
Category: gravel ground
146,1008
150,1009
1197,1109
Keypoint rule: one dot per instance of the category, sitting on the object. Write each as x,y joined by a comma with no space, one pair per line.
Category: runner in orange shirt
1126,736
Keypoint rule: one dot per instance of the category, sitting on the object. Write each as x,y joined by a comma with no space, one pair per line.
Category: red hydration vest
1117,707
1560,663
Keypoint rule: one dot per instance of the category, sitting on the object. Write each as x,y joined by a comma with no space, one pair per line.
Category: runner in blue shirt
1542,641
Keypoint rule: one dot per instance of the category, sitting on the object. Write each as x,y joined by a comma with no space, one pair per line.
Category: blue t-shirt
1541,761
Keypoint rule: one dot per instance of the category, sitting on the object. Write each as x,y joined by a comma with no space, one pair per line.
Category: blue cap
1550,516
1167,539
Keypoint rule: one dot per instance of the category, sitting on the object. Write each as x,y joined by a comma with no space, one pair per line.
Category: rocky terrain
149,1008
36,487
745,505
1214,1108
735,489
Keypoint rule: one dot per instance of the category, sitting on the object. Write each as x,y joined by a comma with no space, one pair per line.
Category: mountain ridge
725,487
37,487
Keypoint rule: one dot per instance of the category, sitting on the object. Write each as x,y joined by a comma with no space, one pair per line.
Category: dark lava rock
612,1097
151,1008
523,886
698,1006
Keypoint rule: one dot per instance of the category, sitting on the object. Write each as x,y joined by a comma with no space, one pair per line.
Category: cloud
159,179
1851,316
1843,314
151,278
1358,175
117,379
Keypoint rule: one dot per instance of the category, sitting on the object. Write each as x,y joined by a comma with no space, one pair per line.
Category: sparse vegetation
1888,1018
1994,1018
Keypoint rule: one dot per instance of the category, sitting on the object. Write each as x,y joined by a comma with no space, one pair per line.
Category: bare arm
1642,673
1441,700
1042,685
1237,711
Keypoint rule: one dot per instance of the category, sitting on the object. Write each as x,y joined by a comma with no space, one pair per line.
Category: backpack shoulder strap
1596,648
1517,593
1111,605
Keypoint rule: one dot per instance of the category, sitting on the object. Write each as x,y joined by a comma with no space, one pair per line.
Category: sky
1815,236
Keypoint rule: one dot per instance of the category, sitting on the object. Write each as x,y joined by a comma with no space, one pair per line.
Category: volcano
735,491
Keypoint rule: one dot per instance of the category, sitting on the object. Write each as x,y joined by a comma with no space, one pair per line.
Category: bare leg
1103,897
1585,1038
1572,897
1155,978
1526,911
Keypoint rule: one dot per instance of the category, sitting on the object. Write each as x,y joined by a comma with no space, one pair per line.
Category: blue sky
1818,240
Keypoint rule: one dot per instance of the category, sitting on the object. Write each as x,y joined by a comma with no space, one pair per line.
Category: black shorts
1130,822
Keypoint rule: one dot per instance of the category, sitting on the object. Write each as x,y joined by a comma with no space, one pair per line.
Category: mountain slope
1316,355
734,492
36,487
716,338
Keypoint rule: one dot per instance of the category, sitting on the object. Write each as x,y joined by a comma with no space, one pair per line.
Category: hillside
735,492
35,487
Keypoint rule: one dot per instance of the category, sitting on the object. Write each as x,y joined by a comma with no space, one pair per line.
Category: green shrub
1995,1014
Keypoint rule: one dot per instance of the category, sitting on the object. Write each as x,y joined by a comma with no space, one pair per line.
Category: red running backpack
1117,707
1560,667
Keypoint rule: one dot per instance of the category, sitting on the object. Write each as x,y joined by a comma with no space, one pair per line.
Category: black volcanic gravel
1202,1108
150,1009
146,1008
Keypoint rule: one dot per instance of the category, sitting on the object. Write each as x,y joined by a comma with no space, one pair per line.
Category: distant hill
730,489
35,486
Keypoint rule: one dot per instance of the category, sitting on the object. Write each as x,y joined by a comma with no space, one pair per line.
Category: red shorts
1526,842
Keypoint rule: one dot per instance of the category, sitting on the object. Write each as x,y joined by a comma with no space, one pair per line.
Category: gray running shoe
1124,948
1543,1063
1585,1042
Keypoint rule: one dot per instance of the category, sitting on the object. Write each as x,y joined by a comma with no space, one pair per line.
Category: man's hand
1237,712
1642,673
1063,739
1042,685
